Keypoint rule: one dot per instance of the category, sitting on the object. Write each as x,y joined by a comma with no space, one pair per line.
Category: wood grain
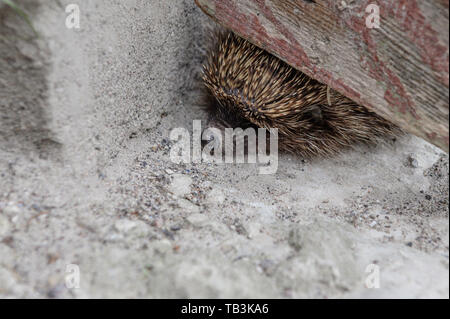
400,70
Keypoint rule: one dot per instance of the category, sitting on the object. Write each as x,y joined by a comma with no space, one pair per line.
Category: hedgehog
249,87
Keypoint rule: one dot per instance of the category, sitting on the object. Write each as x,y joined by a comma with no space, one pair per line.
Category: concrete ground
87,186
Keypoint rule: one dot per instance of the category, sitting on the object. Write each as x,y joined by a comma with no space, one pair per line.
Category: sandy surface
86,179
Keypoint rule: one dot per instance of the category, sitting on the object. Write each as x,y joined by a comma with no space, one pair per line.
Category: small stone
5,226
15,219
11,209
253,230
240,229
295,238
168,234
373,224
175,228
412,162
188,206
197,220
375,210
163,246
181,185
125,225
216,196
268,267
218,228
27,49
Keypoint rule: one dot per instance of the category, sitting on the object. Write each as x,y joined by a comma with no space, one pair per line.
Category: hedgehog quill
248,87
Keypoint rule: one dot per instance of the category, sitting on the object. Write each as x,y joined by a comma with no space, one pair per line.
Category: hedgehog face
250,87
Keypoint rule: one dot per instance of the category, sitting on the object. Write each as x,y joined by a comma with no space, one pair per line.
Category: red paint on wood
433,136
421,33
301,59
395,94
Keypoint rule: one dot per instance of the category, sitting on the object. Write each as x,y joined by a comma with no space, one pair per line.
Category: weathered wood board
399,70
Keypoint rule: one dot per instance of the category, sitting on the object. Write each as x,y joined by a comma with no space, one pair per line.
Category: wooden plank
400,70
